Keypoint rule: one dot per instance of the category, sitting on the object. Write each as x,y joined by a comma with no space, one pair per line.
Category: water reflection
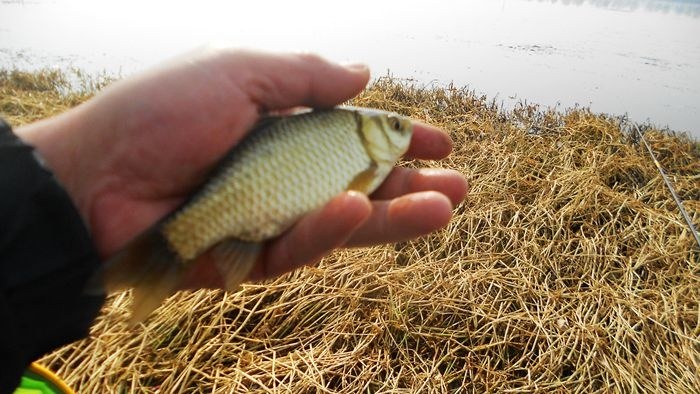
687,7
640,57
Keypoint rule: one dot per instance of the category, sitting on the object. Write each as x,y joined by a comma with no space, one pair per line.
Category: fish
285,167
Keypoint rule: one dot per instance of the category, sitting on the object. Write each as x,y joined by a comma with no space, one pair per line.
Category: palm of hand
163,143
142,146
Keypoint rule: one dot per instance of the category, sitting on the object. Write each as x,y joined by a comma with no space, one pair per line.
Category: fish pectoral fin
364,181
235,259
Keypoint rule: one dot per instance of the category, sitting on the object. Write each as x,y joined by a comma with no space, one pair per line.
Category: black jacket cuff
46,258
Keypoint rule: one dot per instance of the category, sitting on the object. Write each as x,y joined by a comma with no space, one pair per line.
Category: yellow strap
51,378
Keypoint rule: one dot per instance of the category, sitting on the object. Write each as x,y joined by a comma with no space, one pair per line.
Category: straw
568,269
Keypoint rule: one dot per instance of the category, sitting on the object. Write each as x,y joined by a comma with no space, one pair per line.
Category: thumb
281,81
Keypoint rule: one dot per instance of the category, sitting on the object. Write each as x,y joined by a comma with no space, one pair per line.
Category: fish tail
148,266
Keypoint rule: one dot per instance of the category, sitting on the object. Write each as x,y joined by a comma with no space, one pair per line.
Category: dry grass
569,269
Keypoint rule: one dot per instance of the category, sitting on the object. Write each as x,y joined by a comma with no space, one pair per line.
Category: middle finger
403,181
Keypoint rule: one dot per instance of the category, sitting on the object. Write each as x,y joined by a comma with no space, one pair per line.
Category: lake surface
636,57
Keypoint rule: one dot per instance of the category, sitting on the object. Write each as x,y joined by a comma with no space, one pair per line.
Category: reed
568,269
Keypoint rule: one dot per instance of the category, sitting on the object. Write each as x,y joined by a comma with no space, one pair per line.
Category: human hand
134,152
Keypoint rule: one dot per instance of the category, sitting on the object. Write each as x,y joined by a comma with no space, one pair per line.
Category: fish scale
259,195
284,168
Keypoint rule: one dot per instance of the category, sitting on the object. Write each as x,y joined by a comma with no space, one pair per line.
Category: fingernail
356,67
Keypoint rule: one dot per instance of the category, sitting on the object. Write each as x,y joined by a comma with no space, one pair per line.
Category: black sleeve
46,257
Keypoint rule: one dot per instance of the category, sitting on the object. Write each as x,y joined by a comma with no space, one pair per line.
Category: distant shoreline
77,81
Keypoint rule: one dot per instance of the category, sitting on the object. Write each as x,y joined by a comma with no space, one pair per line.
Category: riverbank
568,268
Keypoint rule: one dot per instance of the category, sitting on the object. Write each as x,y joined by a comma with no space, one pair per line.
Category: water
635,57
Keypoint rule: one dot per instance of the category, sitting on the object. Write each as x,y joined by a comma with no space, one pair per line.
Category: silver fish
286,167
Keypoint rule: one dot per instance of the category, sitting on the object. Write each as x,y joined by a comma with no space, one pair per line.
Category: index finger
429,143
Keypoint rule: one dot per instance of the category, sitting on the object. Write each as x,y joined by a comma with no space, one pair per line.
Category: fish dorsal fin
268,120
264,122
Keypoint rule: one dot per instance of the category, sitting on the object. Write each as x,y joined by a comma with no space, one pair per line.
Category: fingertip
357,67
448,182
299,79
361,72
353,206
420,213
401,181
429,142
459,186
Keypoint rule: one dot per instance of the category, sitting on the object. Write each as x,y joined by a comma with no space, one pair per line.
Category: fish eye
395,123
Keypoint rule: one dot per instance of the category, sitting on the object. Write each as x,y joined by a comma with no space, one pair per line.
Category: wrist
58,141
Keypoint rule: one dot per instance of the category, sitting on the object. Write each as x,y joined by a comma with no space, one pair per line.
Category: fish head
386,135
